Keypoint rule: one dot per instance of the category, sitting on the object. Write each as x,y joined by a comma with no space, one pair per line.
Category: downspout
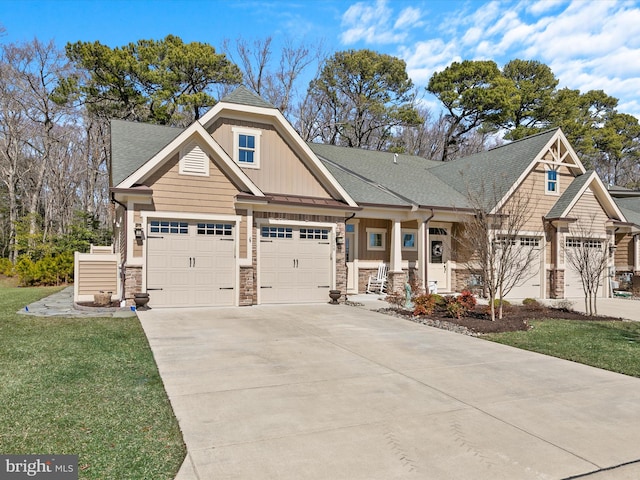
425,280
122,270
346,268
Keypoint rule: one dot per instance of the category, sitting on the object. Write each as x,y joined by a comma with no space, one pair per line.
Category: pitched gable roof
137,171
630,207
498,169
561,207
575,190
243,96
132,144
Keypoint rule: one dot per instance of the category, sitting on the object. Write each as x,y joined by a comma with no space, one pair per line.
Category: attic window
246,147
551,181
194,161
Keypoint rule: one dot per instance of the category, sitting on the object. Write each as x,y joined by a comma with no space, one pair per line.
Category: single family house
237,209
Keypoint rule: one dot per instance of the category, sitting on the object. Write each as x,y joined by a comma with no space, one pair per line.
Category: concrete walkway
61,304
340,392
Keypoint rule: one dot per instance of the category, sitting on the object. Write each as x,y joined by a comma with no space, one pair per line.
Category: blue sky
589,44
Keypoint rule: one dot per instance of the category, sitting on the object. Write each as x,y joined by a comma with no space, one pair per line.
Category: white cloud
587,44
372,23
409,17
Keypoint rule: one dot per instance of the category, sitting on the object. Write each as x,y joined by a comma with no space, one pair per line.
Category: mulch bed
113,304
478,322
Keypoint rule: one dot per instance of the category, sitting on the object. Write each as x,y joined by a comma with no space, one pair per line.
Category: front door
439,254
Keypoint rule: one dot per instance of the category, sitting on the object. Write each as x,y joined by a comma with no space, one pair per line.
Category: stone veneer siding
247,289
132,283
555,283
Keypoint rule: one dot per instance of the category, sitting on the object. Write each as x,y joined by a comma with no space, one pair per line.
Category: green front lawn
84,386
611,345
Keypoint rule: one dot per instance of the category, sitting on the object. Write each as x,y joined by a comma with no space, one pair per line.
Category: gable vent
194,161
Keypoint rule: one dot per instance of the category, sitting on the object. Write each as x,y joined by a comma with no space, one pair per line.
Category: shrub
6,267
454,307
25,268
565,304
530,301
49,270
424,304
397,299
467,300
439,300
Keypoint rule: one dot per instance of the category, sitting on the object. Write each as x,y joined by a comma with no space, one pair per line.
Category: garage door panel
529,286
191,266
295,269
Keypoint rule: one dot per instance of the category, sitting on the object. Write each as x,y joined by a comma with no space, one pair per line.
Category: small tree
588,257
493,233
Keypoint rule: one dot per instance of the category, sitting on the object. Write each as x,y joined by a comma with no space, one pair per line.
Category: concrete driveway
340,392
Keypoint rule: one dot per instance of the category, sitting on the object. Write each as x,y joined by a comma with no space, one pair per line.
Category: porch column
636,243
397,277
422,259
396,247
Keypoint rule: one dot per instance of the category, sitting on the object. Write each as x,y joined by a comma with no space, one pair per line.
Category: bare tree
589,258
275,82
492,236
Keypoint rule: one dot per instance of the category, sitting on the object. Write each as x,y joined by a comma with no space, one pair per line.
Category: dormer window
552,182
246,147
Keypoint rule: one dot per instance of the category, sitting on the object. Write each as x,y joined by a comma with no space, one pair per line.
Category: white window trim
237,131
383,232
410,231
547,168
186,150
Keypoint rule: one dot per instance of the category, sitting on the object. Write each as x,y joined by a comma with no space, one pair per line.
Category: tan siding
539,203
243,232
192,194
410,255
96,276
281,170
363,241
624,251
591,217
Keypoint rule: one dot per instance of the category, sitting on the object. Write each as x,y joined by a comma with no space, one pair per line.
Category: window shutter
194,162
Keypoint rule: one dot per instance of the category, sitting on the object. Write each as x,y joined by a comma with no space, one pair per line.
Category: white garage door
190,264
295,264
529,286
572,279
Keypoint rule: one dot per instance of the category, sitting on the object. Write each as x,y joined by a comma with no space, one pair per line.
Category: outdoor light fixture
339,240
138,231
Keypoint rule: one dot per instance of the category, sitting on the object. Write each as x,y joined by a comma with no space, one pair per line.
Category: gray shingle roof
630,208
361,190
243,96
493,172
133,144
569,194
409,178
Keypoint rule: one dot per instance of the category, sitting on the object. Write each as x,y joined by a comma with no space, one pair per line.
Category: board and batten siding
363,241
281,170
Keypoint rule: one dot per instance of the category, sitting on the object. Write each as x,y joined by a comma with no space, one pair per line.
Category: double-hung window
246,147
